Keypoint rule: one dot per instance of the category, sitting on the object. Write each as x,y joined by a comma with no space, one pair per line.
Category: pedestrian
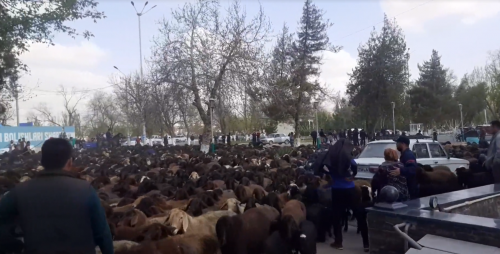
409,171
355,137
291,139
342,168
314,136
165,140
57,212
322,136
229,139
362,136
493,158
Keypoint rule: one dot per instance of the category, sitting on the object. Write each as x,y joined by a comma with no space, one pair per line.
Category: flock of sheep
179,200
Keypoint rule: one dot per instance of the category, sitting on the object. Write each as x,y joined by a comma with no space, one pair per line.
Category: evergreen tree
380,77
432,95
293,92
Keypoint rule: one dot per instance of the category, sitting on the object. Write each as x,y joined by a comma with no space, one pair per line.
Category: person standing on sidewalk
57,212
493,157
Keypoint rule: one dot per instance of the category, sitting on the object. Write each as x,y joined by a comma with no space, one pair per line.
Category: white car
276,138
426,151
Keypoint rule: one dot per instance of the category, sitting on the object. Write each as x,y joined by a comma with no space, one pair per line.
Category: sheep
243,193
245,233
204,224
179,244
436,182
292,214
120,246
155,231
134,218
234,205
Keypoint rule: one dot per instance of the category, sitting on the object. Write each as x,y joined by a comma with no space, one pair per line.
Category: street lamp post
315,105
212,106
139,14
462,122
393,119
126,105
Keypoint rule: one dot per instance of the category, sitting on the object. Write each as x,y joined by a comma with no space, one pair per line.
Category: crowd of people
358,137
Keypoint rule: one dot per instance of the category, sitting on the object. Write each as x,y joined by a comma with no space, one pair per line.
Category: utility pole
139,14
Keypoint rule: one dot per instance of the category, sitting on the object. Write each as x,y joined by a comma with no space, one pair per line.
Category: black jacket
57,213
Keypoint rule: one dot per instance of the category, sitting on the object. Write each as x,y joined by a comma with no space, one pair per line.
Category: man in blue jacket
410,166
57,212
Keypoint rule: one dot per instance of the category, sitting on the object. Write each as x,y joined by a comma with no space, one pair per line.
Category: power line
368,27
78,91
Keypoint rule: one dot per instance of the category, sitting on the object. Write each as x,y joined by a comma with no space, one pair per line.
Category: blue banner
36,135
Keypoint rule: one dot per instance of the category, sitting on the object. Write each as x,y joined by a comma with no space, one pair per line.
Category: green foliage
491,75
381,76
271,127
23,22
472,97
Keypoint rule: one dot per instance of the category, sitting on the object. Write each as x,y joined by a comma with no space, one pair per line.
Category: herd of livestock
241,200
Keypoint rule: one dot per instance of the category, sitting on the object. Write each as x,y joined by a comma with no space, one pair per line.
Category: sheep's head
231,204
366,193
194,176
179,220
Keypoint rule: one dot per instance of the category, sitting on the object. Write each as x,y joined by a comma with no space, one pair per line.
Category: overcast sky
463,32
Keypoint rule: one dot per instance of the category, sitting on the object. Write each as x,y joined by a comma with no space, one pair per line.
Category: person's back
56,211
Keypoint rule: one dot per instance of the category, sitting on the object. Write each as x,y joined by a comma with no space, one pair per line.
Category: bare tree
71,100
33,118
134,97
199,50
47,116
102,112
166,107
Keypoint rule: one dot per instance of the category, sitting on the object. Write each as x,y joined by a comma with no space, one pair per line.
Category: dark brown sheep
179,244
244,233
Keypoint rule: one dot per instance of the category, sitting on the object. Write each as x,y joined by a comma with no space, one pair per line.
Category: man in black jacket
56,211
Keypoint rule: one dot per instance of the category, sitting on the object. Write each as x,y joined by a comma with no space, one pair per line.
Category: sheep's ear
185,223
134,220
224,206
186,207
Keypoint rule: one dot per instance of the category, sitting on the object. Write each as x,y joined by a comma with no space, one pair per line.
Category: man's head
56,154
402,143
495,126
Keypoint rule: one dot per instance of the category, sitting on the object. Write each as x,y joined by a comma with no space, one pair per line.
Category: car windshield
376,150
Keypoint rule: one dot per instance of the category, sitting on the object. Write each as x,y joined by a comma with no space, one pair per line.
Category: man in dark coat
355,137
349,134
57,212
362,135
314,136
410,166
228,139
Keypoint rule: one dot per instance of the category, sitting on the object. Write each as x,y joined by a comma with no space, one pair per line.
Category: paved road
352,243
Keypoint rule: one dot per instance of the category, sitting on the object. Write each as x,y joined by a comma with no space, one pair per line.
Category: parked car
275,138
426,151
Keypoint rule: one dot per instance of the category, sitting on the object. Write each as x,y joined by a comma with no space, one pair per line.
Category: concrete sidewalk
353,244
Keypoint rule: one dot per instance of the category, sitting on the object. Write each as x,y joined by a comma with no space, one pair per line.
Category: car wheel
271,142
287,142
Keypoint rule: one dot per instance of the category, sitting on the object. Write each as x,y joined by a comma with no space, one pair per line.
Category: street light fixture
212,106
393,119
315,105
462,122
139,14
